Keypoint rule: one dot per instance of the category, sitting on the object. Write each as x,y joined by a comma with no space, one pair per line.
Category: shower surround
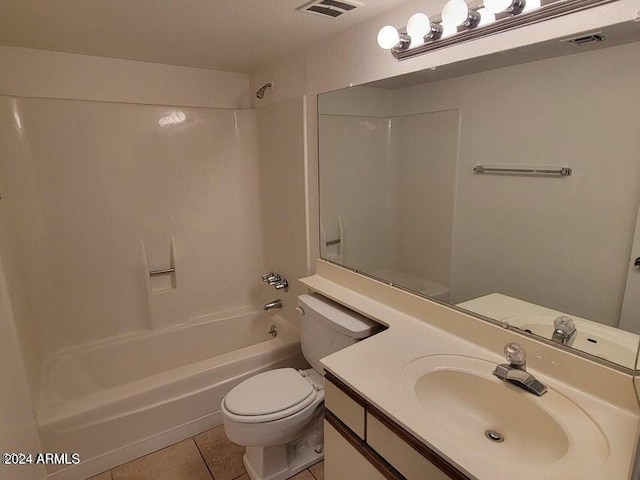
95,195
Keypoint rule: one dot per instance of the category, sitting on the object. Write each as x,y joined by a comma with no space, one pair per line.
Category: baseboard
102,463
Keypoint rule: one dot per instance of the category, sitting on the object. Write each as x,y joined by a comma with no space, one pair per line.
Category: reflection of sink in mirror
463,402
416,284
600,340
590,337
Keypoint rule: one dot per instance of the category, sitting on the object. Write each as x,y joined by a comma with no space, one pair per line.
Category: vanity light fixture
456,13
390,39
461,23
510,6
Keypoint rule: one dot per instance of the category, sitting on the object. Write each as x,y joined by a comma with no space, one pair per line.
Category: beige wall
38,73
282,167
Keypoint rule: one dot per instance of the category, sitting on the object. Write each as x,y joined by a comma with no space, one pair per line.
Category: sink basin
462,406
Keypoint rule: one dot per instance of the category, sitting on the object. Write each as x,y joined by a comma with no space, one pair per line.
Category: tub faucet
564,331
275,304
516,370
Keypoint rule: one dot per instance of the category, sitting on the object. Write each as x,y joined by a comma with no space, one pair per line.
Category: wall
352,57
282,170
115,170
38,73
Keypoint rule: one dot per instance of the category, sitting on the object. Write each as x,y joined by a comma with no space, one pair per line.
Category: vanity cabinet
362,442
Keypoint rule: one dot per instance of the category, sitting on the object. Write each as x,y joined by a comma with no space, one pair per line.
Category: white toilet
278,414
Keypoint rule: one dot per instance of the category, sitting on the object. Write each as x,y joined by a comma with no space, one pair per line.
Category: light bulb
418,26
497,6
448,30
388,37
486,17
531,5
455,13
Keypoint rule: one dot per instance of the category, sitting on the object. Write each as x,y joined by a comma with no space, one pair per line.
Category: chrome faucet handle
282,285
274,279
516,355
564,324
267,276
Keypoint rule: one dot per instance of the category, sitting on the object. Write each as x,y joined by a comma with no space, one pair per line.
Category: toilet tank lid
339,317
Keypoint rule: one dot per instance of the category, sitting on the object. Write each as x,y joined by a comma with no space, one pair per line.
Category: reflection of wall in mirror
559,242
391,182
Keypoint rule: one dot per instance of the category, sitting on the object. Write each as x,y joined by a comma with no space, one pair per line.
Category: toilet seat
269,396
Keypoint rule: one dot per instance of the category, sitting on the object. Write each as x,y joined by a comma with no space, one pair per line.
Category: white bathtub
114,401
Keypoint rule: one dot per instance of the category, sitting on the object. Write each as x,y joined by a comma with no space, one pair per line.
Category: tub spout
275,304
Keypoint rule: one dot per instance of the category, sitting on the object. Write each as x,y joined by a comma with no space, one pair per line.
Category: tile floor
207,456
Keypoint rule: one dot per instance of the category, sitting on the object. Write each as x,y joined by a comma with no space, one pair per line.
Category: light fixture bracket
403,44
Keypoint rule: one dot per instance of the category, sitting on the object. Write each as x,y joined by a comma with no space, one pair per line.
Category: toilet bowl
278,414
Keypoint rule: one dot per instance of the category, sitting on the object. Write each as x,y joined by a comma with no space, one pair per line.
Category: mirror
547,233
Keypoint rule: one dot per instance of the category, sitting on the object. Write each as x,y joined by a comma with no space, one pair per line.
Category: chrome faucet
275,304
564,331
516,370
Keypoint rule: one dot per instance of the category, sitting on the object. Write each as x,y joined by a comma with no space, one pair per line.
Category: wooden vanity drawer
345,404
412,464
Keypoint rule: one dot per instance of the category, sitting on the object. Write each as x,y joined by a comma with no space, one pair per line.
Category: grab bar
562,171
162,271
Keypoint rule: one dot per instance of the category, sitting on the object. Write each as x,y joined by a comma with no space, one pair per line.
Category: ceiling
231,35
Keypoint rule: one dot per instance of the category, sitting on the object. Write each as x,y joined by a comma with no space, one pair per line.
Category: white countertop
373,367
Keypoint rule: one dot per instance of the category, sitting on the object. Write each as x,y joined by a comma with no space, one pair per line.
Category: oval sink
462,406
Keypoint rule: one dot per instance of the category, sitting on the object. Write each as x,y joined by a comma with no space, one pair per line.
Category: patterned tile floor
207,456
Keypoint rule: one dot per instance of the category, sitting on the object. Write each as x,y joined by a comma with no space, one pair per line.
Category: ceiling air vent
329,8
587,39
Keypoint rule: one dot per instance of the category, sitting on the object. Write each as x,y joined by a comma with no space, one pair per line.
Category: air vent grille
329,8
588,39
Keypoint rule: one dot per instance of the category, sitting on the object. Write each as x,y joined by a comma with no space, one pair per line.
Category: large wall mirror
507,185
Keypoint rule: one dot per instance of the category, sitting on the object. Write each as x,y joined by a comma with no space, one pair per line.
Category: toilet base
283,461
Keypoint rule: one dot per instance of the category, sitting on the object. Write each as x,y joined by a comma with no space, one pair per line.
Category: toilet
278,414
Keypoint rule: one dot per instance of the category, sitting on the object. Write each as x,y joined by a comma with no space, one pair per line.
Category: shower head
260,93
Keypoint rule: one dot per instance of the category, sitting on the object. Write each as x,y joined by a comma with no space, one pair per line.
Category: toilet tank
326,327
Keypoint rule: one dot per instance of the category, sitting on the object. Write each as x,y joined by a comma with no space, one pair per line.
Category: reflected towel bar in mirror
333,242
562,171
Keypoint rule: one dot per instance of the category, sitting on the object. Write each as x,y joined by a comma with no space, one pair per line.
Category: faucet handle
267,276
564,324
516,355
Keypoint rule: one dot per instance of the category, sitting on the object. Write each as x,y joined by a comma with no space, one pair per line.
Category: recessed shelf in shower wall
161,271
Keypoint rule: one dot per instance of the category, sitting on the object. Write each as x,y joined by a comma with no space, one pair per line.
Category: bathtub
114,401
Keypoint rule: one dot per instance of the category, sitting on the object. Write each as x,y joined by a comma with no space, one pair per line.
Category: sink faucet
275,304
516,370
564,331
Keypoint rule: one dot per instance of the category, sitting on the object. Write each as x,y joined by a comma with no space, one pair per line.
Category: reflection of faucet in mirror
516,370
564,330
